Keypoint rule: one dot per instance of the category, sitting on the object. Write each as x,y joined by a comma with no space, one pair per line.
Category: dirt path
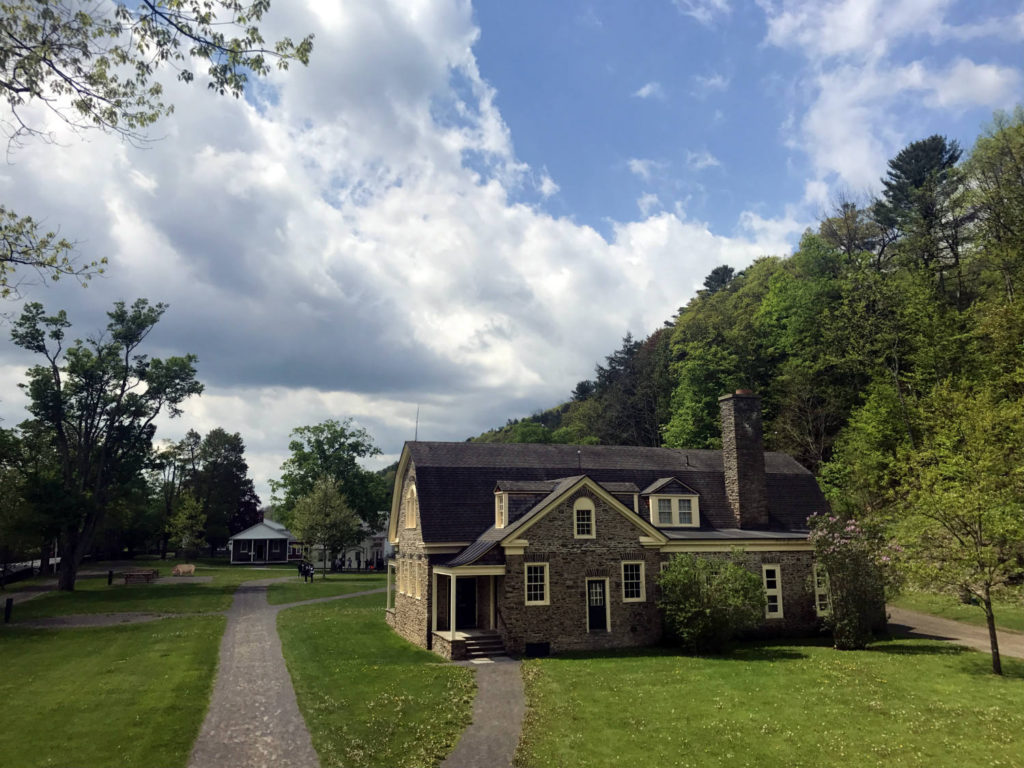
913,624
254,719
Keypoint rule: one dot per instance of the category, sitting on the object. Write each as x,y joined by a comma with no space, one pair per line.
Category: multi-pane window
665,511
583,519
536,583
633,582
772,591
674,510
245,547
685,512
584,523
822,602
499,510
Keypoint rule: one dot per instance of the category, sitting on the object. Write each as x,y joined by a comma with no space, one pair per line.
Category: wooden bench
141,576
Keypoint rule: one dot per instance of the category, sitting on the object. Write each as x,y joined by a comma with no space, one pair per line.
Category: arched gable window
411,506
584,522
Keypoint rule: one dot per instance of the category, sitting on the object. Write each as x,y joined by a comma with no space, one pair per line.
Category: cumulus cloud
651,90
348,242
647,203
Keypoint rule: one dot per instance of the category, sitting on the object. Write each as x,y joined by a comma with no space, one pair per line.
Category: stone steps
484,646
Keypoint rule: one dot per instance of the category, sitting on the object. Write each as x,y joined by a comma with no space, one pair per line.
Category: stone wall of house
411,618
456,651
796,568
563,623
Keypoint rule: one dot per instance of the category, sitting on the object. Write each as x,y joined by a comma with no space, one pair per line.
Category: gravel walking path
491,739
914,624
254,719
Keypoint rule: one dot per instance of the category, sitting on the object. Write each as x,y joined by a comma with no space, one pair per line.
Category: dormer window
673,504
500,510
675,511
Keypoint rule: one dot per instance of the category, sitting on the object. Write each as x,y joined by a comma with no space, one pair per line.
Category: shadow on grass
750,651
923,647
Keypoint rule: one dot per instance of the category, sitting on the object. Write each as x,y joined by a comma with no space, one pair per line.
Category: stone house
539,548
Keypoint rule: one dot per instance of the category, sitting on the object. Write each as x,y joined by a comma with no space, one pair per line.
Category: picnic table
141,576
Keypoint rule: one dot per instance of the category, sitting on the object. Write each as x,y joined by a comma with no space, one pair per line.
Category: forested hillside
892,326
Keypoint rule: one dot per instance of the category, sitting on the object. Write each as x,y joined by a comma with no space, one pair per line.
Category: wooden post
451,608
8,606
110,578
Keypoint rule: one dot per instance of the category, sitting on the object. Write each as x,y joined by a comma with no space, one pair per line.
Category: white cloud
715,82
651,90
701,160
645,168
704,11
858,87
351,247
647,203
547,186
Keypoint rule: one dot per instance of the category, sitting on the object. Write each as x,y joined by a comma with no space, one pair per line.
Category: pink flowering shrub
859,566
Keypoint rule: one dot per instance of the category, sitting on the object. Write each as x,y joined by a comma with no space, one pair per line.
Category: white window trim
245,547
526,584
643,581
777,592
820,576
587,504
674,499
500,510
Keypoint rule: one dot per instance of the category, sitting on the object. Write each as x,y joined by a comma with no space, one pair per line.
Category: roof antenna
416,434
579,460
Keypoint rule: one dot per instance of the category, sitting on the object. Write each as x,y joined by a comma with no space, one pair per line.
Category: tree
187,526
323,518
705,603
331,449
962,514
96,65
719,278
221,483
96,403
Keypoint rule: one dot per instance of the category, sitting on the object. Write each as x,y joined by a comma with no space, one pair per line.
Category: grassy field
132,695
370,699
901,703
92,595
334,584
1009,610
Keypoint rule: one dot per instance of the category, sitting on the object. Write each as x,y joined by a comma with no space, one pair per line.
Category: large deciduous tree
96,402
962,521
98,65
331,449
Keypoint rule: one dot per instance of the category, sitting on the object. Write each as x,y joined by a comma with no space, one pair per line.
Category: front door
465,603
261,551
597,616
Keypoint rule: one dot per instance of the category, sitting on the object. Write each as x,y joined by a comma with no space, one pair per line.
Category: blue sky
463,207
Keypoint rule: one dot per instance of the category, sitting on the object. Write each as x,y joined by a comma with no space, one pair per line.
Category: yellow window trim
584,503
643,581
526,584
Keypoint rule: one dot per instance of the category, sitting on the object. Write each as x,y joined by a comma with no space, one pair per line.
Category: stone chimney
743,458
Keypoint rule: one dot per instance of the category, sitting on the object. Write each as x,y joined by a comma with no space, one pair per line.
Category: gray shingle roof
456,481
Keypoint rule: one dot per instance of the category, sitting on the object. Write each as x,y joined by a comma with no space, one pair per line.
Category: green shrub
705,603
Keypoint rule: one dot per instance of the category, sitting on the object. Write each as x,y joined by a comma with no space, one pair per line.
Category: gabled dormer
672,503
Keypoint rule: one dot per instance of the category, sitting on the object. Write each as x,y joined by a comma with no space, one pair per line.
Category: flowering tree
858,567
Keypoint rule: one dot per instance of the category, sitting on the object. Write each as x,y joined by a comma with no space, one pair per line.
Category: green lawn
1009,610
370,699
131,695
92,595
901,703
335,584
